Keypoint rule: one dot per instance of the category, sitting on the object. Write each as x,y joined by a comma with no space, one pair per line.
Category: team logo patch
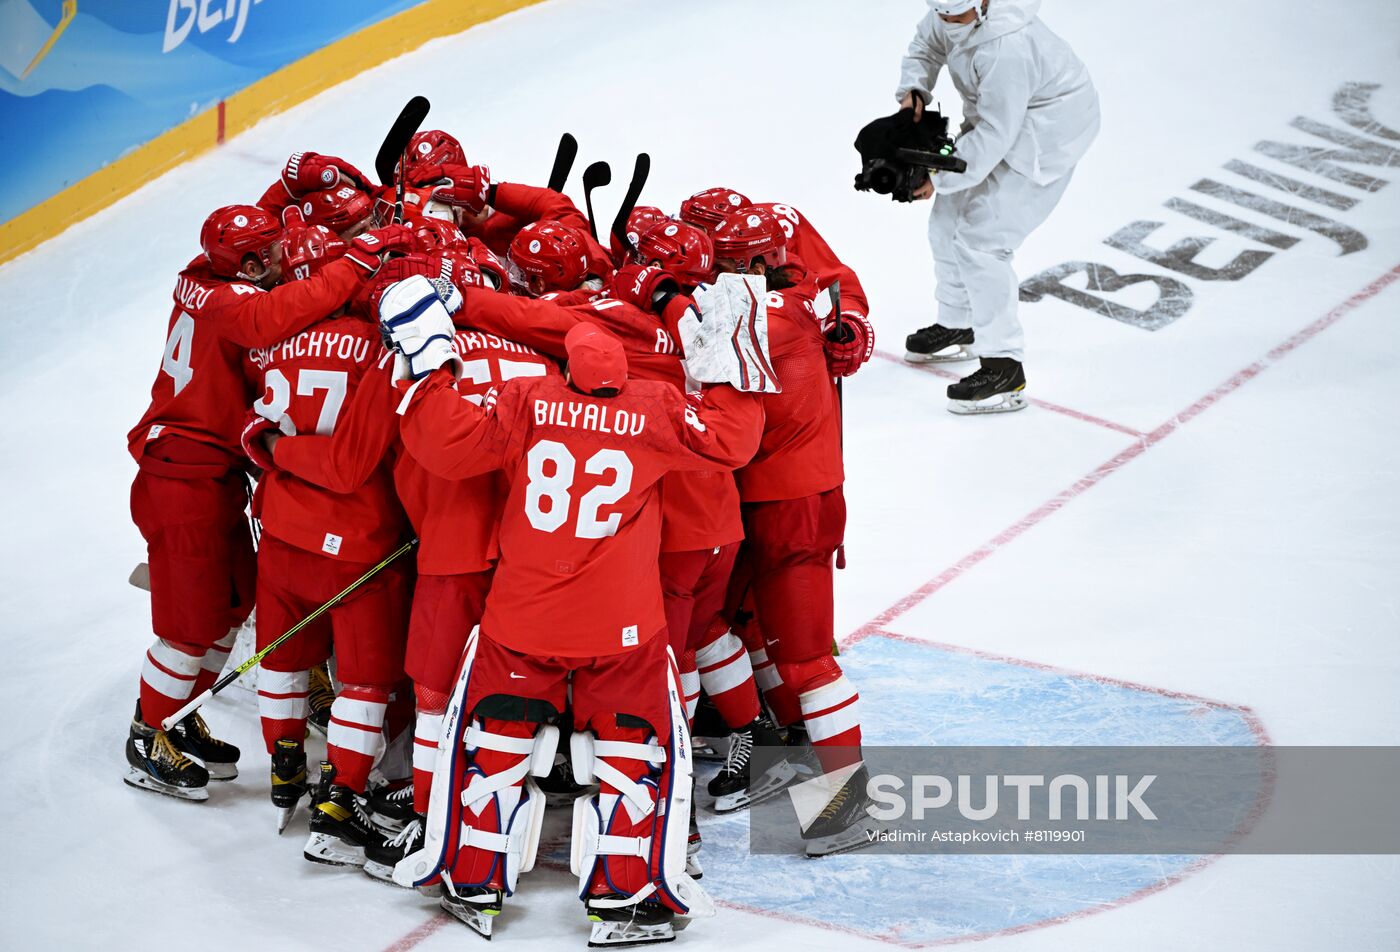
670,230
308,208
328,176
424,148
535,247
734,199
240,221
754,221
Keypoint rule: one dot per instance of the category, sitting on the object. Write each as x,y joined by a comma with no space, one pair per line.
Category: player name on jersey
351,347
466,342
589,416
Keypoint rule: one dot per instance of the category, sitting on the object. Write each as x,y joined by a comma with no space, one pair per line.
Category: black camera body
896,153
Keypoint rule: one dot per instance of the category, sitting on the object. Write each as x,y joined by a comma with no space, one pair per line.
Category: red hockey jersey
455,519
808,246
201,392
308,378
581,526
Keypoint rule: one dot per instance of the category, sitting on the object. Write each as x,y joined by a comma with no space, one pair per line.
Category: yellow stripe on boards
277,92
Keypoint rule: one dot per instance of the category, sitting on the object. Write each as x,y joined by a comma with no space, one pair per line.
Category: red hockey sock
690,685
781,699
167,679
431,707
357,720
829,709
727,675
282,705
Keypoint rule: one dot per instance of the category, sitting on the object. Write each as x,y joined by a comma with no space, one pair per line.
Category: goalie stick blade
410,118
563,162
595,176
641,170
141,576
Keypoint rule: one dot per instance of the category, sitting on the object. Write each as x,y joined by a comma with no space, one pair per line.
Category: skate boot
937,344
477,906
340,825
320,697
288,779
844,824
708,731
391,805
734,789
998,386
219,757
155,763
382,857
619,922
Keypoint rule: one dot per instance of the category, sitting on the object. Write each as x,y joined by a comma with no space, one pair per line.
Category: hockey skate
477,906
735,789
844,824
382,857
340,824
319,699
154,763
288,780
998,386
938,344
618,922
192,737
391,806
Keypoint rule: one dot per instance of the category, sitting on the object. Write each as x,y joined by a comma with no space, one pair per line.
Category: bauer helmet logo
240,221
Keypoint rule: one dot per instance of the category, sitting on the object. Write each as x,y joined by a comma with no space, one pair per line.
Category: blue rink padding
917,694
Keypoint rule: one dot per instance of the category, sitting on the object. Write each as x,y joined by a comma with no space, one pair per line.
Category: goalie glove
848,344
417,327
726,339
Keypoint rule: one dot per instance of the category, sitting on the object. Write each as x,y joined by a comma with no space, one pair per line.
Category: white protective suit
1030,112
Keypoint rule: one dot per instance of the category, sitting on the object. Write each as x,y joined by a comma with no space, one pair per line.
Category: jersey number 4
547,496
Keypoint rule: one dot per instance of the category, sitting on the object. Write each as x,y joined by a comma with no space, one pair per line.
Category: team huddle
605,529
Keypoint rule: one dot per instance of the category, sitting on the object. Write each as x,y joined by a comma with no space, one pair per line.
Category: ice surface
1247,555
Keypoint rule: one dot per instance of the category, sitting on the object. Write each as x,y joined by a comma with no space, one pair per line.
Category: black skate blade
769,785
221,772
144,781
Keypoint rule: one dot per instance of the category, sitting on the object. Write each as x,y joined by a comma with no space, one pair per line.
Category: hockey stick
243,668
640,171
835,292
595,176
563,162
396,140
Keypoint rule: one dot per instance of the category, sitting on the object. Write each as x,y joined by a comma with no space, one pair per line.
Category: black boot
639,923
382,857
844,823
219,757
340,824
998,386
288,779
936,344
155,763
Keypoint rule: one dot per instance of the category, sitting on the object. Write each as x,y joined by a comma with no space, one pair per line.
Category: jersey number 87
548,501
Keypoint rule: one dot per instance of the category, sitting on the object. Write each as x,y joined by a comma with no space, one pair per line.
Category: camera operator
1030,113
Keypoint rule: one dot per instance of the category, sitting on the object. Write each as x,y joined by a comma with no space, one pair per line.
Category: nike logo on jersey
519,677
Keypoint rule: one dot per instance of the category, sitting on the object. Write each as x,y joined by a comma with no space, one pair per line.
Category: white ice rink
1192,536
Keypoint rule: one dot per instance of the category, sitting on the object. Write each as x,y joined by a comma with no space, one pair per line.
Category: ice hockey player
324,180
190,493
576,598
794,508
314,544
455,521
1030,113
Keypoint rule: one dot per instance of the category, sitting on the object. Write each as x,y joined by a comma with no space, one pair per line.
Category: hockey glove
254,429
416,325
365,250
490,263
644,286
462,186
848,345
311,172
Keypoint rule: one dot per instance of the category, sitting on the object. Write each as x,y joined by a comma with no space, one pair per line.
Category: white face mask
960,33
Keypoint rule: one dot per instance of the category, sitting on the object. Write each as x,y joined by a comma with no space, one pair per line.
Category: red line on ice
876,627
1033,401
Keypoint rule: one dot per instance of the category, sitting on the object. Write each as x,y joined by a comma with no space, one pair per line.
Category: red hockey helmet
342,209
307,250
642,218
749,234
459,268
710,207
554,256
683,251
233,232
436,234
428,150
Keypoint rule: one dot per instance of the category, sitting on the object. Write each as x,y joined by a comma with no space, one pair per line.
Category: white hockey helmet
954,8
